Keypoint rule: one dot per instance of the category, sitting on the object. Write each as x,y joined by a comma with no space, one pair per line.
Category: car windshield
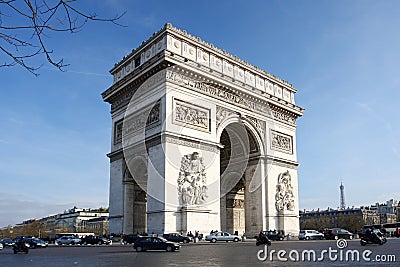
163,239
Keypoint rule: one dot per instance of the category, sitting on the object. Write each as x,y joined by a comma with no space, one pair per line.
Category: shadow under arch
258,136
135,196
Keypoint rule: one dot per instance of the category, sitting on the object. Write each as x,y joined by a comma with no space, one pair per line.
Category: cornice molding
282,162
158,42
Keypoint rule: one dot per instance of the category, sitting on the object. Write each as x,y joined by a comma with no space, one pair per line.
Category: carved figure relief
147,119
260,125
238,203
192,189
190,115
223,113
284,198
235,203
281,142
118,132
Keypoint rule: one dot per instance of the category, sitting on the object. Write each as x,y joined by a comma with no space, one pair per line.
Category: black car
36,242
337,233
7,242
130,239
174,237
95,240
274,235
154,243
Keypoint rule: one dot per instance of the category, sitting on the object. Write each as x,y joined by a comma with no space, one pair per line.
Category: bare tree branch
39,18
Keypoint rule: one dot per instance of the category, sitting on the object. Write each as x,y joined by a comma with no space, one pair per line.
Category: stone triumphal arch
201,140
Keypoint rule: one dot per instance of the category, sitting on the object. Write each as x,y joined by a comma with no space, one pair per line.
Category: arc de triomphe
201,140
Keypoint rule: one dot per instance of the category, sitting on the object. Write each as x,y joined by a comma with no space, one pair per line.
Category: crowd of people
196,234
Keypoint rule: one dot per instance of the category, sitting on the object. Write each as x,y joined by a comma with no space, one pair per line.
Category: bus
392,229
80,235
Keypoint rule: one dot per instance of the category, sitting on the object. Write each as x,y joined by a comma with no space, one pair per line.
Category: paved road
201,254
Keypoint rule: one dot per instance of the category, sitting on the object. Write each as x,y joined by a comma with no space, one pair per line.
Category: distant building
76,219
71,220
99,225
352,219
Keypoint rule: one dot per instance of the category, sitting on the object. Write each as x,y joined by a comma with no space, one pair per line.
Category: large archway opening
239,149
135,201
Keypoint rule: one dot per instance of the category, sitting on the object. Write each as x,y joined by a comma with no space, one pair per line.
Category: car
174,237
95,240
7,242
130,239
222,236
154,243
310,234
36,242
274,235
338,233
68,240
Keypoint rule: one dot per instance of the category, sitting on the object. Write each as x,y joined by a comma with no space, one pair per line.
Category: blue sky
342,56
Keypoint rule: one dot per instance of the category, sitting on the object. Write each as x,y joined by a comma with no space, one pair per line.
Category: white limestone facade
201,141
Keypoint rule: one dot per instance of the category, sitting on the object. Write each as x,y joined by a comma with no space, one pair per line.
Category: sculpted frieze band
228,96
217,92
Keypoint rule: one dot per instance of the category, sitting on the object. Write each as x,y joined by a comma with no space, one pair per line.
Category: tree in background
36,20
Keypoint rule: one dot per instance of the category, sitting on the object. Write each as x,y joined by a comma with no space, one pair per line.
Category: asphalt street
280,253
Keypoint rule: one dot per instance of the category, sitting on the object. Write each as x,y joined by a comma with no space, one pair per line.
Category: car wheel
213,240
280,238
336,237
139,249
307,238
185,241
236,239
169,248
99,243
351,237
125,242
321,238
